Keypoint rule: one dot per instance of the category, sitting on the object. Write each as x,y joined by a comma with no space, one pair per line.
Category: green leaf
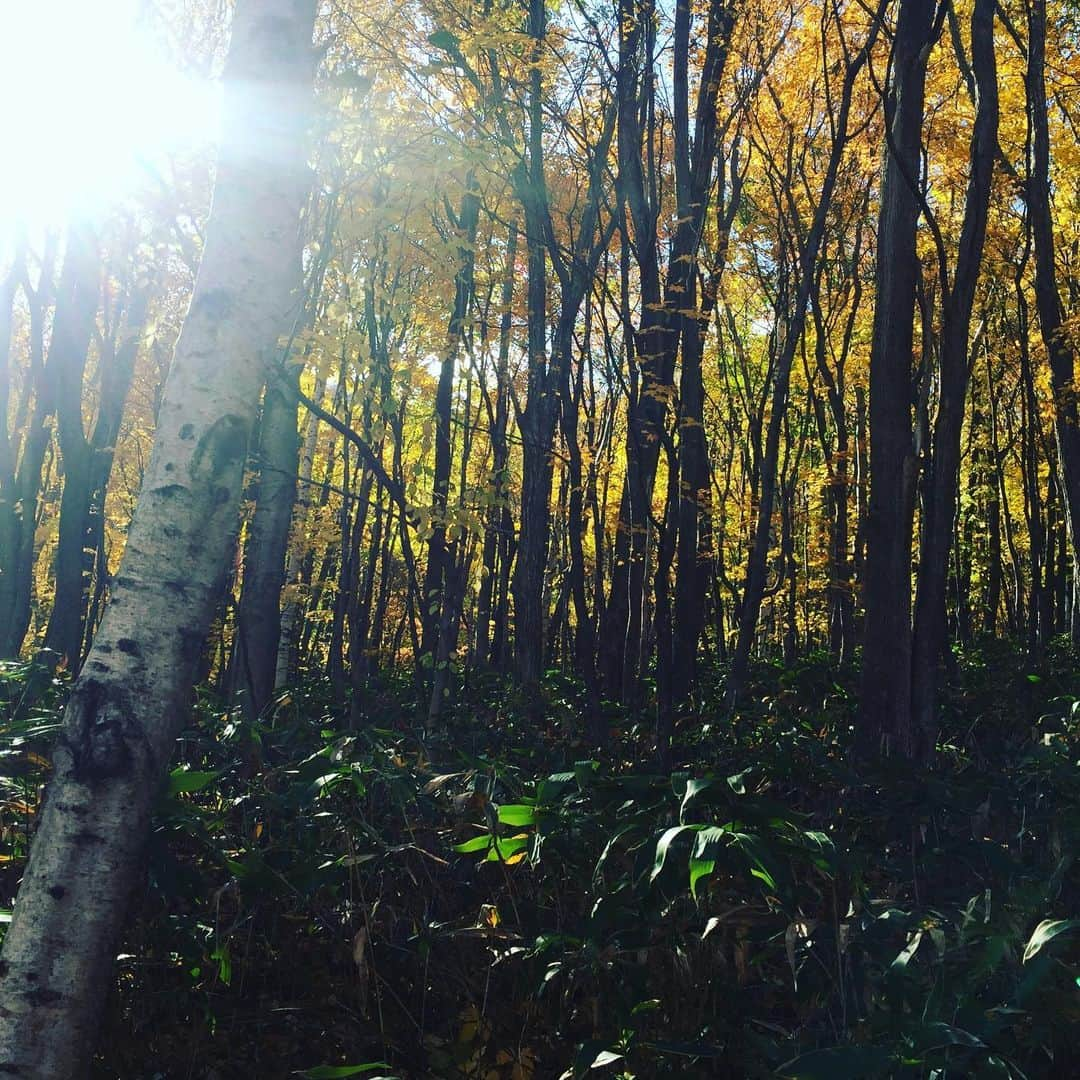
183,780
605,1057
592,1054
502,849
709,838
693,789
1045,932
517,815
763,875
839,1063
699,868
903,957
751,847
737,783
477,843
664,845
598,869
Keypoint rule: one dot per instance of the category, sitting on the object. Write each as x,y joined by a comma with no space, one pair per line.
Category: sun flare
98,106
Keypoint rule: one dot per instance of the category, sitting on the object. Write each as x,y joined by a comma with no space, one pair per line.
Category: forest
540,539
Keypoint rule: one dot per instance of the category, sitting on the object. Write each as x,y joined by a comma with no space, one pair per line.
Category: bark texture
131,698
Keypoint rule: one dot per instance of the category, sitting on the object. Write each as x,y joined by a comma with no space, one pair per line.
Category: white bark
132,697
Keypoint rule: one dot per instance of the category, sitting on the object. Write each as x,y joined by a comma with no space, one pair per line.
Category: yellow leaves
517,856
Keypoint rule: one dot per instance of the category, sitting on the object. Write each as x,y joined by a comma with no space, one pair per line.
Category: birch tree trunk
131,700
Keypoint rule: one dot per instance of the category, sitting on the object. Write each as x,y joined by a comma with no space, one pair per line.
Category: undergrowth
498,900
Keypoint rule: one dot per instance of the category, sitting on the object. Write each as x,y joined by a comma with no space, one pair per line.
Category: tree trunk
131,700
439,569
939,510
72,330
20,492
258,619
292,610
1058,342
537,419
656,339
757,565
884,705
486,604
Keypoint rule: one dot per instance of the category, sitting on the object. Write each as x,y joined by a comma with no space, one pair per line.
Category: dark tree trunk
884,705
20,491
438,565
1058,343
73,327
939,509
485,607
754,587
258,619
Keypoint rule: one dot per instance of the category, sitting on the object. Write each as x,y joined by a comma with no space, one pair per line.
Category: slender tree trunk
656,339
23,494
131,700
501,456
291,613
68,352
757,565
884,706
258,619
1057,340
10,512
438,565
666,644
114,385
537,420
939,509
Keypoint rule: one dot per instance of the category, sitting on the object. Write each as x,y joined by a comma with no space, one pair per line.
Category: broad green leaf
709,838
607,851
764,876
664,845
504,849
183,780
605,1057
903,957
737,783
477,843
517,814
593,1054
699,868
693,789
1045,932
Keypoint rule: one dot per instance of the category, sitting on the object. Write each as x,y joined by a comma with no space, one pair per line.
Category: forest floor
498,900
